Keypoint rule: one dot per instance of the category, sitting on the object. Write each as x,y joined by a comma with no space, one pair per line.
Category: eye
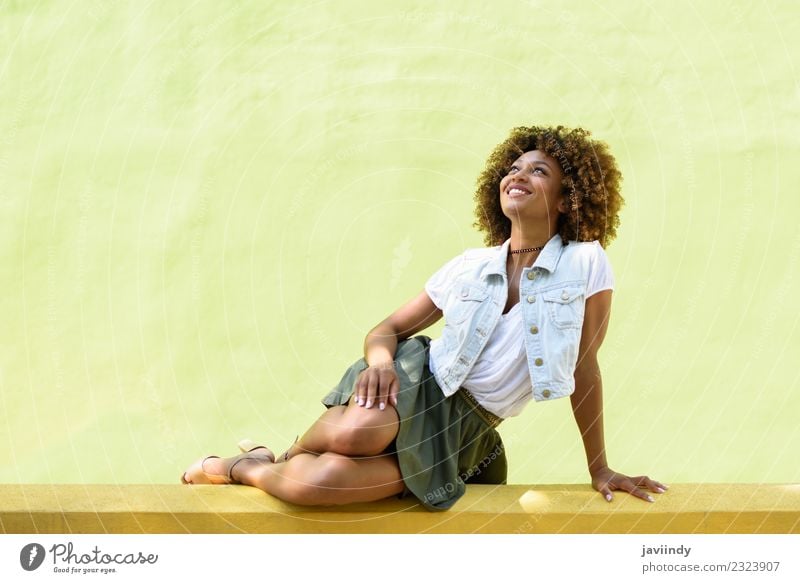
540,170
514,167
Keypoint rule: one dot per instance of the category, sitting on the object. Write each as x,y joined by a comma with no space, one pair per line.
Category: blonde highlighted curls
591,184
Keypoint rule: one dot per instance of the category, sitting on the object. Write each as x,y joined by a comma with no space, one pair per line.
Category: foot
216,470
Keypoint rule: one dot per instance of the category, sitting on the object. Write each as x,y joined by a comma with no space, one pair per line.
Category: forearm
380,345
587,406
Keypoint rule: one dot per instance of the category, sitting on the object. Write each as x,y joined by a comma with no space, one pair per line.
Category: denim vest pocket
467,298
566,305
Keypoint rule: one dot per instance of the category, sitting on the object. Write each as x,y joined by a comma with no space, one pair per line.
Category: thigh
385,423
356,431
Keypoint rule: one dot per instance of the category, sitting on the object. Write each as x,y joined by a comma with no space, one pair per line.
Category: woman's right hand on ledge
377,385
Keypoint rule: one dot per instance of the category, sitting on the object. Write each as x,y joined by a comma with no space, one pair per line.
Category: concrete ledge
526,509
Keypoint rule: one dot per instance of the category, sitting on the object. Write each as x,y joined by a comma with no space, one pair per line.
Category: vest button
534,330
546,393
531,275
564,295
531,299
538,362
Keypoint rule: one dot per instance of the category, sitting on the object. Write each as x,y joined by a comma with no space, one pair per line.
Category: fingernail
650,499
369,404
660,490
382,406
608,497
358,401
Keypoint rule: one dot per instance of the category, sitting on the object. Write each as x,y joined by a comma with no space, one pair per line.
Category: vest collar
547,259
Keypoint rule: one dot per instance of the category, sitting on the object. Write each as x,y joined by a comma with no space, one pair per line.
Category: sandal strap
202,463
230,471
233,465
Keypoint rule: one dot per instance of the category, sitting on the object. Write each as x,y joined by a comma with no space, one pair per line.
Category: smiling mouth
517,192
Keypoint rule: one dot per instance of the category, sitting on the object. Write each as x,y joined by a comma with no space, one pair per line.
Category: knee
346,439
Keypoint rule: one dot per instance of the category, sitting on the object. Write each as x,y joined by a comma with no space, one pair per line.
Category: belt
490,418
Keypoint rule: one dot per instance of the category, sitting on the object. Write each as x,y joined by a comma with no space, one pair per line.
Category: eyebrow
534,162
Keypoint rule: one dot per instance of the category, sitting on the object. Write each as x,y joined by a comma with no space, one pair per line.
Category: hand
377,384
605,480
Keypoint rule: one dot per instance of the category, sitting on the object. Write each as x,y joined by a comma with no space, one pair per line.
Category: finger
647,483
372,390
383,390
639,493
606,492
393,390
363,384
361,388
654,486
390,389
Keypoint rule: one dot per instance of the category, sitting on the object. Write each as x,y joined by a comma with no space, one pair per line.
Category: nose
519,178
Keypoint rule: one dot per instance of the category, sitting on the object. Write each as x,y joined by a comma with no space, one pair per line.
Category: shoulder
583,256
480,253
475,255
470,263
582,247
587,250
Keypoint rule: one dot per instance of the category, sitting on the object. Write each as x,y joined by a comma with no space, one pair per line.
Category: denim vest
552,296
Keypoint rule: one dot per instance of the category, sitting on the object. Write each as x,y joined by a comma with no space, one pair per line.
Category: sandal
199,476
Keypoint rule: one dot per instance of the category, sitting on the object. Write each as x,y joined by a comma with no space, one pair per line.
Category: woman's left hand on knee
377,385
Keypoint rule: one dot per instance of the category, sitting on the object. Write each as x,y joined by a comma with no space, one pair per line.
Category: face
531,189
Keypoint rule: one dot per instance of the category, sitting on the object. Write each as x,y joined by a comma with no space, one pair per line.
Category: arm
587,400
587,405
380,344
379,380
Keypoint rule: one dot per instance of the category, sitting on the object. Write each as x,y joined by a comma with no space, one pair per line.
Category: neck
524,238
530,236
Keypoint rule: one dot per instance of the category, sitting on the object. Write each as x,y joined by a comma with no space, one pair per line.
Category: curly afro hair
591,184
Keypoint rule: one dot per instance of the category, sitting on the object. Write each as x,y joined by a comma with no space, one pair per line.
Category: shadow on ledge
510,509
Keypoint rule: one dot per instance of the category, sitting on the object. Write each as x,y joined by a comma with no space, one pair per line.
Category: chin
512,216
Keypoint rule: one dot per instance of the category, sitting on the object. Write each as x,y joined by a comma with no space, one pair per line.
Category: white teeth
516,191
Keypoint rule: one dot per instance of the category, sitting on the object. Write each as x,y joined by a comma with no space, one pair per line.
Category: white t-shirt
500,380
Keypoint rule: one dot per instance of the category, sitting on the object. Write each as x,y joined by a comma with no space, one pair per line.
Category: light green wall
207,205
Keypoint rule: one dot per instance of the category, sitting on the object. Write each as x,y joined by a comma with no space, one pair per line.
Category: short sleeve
601,276
438,285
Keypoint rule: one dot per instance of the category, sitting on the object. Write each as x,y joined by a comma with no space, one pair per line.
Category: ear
562,205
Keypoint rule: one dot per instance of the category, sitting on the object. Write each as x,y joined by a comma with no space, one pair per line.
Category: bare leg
348,430
327,479
333,476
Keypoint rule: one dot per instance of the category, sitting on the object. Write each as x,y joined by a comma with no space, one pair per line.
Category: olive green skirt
443,442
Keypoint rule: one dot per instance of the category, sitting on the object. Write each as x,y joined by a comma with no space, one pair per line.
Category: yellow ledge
524,509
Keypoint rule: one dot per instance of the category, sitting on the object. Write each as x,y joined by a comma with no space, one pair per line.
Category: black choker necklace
526,250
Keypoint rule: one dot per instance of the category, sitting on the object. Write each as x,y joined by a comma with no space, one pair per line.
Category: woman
524,319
